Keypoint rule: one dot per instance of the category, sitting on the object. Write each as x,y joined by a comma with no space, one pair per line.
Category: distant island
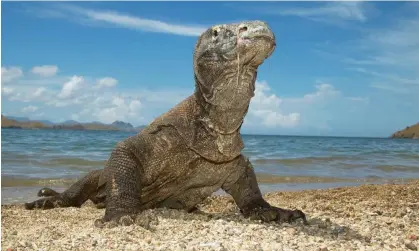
26,123
411,132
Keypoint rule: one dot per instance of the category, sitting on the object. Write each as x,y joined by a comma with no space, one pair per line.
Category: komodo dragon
194,149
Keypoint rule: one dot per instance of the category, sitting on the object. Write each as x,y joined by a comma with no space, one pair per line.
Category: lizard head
226,59
225,51
220,46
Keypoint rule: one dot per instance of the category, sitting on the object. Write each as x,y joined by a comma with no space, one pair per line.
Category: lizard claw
291,216
119,219
125,220
45,203
278,215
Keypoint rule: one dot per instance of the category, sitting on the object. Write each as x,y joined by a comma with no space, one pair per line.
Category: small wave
264,178
408,156
75,162
307,160
392,168
7,181
54,162
384,168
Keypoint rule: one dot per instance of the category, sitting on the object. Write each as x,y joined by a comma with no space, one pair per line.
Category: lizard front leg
74,196
246,193
123,186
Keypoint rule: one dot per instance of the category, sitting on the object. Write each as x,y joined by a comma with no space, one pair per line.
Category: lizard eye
215,31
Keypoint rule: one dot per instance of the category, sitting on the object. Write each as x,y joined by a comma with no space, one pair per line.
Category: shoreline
19,193
365,217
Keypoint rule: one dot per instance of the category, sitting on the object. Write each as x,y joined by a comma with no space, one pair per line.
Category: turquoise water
31,159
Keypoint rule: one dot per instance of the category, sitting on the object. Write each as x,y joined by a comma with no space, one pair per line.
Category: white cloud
83,101
80,98
71,87
119,109
106,82
75,117
324,92
45,70
89,16
359,99
265,108
391,77
11,73
349,10
135,105
143,24
391,88
39,92
273,118
404,34
389,54
19,96
7,91
166,96
30,108
30,93
311,110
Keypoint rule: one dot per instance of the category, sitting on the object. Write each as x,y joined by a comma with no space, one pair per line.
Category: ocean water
32,159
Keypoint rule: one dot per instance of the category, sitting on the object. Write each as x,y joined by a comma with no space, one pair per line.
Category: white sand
369,217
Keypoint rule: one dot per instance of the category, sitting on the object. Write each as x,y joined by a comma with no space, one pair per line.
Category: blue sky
340,68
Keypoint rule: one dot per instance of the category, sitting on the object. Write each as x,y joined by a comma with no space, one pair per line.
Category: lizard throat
224,111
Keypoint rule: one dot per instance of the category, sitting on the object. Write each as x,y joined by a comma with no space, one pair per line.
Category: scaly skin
194,149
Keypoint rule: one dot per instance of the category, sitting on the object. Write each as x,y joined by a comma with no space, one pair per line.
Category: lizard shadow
326,229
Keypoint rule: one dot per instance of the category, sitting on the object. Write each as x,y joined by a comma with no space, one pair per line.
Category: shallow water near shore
32,159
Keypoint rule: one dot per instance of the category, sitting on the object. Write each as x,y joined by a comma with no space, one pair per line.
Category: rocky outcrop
123,126
410,132
11,123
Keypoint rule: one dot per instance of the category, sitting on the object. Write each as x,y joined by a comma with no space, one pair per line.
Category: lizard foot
116,219
277,214
127,219
122,220
45,203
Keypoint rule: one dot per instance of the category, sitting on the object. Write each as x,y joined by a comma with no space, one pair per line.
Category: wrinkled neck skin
224,107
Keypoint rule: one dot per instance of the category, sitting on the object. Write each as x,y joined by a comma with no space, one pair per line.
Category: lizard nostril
243,29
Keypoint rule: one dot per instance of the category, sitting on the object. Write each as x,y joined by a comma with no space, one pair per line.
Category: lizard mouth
260,46
257,38
249,39
246,40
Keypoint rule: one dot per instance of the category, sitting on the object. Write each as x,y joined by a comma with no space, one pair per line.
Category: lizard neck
223,111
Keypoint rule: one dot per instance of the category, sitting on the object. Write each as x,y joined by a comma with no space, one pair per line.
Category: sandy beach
367,217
